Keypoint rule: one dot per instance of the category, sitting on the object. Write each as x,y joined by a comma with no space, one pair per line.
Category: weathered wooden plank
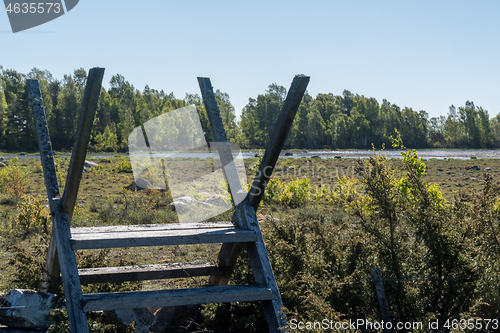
245,214
43,137
71,282
220,138
161,238
382,301
227,258
175,297
263,273
85,123
144,272
277,138
52,268
69,269
151,227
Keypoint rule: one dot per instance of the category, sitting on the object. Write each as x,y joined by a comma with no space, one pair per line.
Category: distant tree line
328,121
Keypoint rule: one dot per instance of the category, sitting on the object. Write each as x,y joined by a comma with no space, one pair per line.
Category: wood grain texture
151,227
89,106
155,237
144,272
382,300
85,123
220,138
175,297
277,138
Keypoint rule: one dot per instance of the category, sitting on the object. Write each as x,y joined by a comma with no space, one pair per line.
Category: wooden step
175,297
158,235
145,272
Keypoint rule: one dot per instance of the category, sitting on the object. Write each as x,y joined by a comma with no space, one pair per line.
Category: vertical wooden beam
71,281
230,251
277,138
85,123
220,140
382,301
245,214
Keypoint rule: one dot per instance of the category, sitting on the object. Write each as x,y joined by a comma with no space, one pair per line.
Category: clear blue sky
422,54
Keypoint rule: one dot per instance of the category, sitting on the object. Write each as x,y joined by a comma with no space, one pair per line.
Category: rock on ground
24,308
166,314
141,184
144,319
5,329
179,316
216,200
185,199
89,164
180,207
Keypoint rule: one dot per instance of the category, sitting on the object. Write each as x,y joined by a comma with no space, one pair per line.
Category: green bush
440,259
294,194
123,165
32,216
14,181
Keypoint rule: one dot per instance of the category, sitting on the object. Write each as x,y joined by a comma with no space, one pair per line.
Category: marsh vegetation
432,227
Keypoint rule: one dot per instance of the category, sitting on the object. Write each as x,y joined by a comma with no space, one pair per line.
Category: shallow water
424,153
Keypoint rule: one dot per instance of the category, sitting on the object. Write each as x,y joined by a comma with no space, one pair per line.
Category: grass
104,199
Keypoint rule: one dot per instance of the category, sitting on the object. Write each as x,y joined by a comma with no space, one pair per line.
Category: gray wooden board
382,300
150,227
263,274
69,269
85,123
144,272
161,237
175,297
277,138
220,138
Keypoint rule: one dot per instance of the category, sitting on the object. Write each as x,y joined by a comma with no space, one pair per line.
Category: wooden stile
245,230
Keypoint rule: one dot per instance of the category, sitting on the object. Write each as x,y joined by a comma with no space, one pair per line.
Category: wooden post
382,301
220,140
229,252
277,138
71,281
85,122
